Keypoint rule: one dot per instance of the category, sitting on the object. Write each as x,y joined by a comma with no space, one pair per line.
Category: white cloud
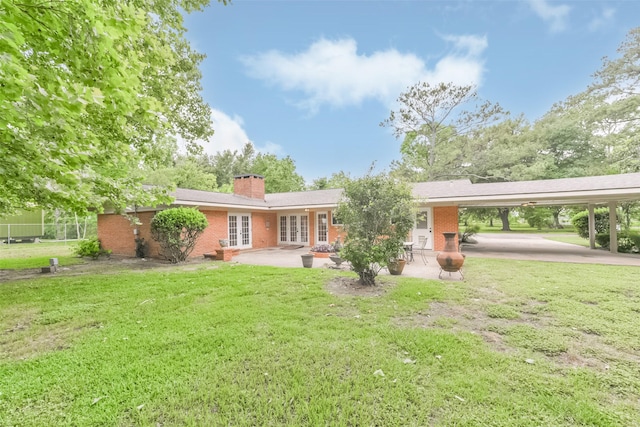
555,16
331,72
602,20
230,135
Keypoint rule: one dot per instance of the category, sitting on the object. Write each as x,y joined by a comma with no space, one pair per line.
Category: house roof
564,191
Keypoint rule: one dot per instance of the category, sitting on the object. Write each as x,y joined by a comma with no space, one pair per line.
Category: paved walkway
533,247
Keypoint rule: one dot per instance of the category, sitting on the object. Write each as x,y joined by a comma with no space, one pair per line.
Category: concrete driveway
535,247
532,247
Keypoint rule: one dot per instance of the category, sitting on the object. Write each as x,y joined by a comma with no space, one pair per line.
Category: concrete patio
532,247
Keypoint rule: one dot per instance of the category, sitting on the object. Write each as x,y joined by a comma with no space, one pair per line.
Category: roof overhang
550,198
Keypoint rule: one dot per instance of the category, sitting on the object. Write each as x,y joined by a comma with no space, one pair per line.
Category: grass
573,239
515,344
521,228
36,255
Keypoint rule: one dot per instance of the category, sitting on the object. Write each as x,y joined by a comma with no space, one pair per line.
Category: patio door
294,229
423,228
239,230
322,228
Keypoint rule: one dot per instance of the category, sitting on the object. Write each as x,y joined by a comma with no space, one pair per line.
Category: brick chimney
249,185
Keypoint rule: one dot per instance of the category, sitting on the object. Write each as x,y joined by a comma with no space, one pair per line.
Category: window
335,219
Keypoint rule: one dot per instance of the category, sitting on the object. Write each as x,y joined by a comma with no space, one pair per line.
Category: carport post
592,227
613,231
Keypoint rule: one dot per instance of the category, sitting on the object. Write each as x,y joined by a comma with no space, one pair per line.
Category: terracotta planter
321,254
450,259
396,267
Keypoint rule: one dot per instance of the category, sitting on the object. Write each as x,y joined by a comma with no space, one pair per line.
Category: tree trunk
367,277
556,219
491,222
75,215
504,217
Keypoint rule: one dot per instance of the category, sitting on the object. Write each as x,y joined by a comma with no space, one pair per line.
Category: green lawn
574,239
520,228
35,255
515,344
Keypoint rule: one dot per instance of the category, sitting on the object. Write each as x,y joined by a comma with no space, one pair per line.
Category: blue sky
312,79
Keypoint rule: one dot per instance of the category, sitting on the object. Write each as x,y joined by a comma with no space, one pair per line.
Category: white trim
317,228
416,233
240,236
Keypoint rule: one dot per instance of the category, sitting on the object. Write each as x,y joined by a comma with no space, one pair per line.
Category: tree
186,172
87,90
336,180
279,174
431,118
377,213
177,231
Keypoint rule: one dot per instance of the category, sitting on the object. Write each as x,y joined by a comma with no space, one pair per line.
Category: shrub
627,242
90,248
177,231
581,222
469,232
377,214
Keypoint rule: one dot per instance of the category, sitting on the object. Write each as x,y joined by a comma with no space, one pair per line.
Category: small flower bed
325,248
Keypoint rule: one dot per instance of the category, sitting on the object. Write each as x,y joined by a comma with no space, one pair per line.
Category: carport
593,191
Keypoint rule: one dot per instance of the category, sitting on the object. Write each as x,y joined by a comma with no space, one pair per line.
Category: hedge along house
251,219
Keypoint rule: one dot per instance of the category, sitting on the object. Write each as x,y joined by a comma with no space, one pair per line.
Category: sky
313,79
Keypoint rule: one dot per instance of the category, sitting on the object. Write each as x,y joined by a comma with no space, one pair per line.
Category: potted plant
396,265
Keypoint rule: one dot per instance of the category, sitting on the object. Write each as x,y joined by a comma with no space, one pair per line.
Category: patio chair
422,241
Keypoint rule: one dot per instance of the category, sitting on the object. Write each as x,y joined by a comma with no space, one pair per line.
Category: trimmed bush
628,242
581,222
90,248
177,231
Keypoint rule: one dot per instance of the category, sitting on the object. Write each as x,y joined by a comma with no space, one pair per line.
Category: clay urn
449,258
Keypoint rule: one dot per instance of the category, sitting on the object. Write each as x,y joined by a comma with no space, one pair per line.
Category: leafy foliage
89,88
538,217
177,230
90,248
433,122
377,214
628,242
581,222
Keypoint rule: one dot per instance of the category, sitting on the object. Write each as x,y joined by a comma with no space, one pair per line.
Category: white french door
423,228
322,228
239,230
293,229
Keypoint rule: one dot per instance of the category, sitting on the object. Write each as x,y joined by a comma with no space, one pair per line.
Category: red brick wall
445,218
263,236
115,233
249,186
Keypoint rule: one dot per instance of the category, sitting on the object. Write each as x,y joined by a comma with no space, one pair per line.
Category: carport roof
564,191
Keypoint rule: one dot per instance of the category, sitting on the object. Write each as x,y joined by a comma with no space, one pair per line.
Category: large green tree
87,89
280,174
435,116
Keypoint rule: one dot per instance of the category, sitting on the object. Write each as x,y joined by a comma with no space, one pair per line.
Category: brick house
251,219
